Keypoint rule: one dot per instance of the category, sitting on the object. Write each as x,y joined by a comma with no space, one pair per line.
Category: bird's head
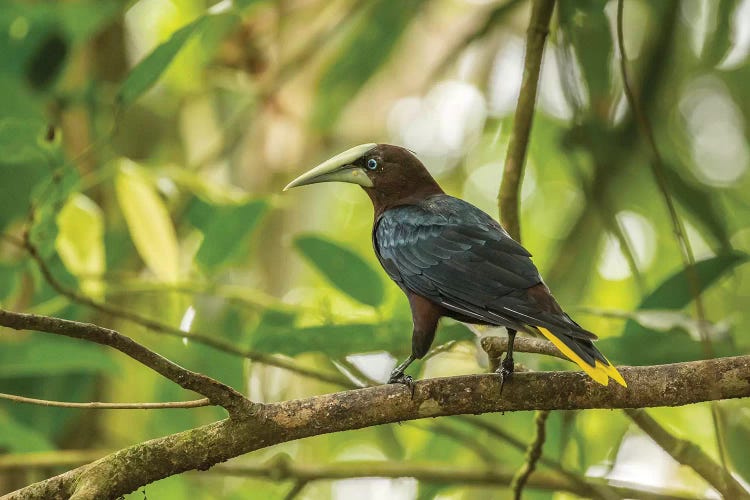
389,174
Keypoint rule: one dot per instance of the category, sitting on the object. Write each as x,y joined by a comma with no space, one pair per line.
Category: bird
452,259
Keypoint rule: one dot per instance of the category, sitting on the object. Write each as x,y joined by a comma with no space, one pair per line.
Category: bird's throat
383,200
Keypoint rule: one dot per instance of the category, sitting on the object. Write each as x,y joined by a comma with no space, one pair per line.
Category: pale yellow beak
340,168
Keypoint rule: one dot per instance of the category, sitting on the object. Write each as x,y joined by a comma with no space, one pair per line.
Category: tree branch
281,467
218,393
533,454
200,448
510,186
156,326
519,138
496,346
688,453
107,406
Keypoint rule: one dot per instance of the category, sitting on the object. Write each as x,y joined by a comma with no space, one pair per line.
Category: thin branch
200,448
156,326
219,394
510,186
688,453
466,440
496,346
533,454
508,197
108,406
686,250
499,475
296,490
592,489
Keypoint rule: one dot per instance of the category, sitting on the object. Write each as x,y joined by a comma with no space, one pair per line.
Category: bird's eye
372,163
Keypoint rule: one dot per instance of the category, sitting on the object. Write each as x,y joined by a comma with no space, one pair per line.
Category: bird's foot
505,370
398,377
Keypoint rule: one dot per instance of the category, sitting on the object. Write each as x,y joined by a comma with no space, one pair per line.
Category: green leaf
676,292
586,27
341,340
49,197
736,416
207,190
365,49
16,437
80,242
148,221
226,229
334,340
8,280
346,270
662,347
21,139
675,345
50,356
147,72
719,41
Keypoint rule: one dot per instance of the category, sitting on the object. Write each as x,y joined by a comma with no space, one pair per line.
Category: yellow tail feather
599,372
612,372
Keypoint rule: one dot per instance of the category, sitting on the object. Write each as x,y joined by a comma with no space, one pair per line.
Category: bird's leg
506,366
425,316
398,376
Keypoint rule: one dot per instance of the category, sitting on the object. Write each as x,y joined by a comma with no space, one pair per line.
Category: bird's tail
583,353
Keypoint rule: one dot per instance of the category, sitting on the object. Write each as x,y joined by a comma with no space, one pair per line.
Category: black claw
505,370
401,378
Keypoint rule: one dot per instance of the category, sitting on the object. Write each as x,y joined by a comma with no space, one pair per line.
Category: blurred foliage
144,145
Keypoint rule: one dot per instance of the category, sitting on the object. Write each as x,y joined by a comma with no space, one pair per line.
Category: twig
533,454
496,346
508,197
510,186
156,326
498,475
466,440
688,453
686,250
202,447
296,490
219,394
108,406
593,489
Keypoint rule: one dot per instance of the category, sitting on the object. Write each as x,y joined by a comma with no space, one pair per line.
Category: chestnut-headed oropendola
452,259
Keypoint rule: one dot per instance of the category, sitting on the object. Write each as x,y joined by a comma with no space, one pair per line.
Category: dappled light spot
639,457
375,365
505,77
701,17
440,126
716,132
740,38
375,488
613,264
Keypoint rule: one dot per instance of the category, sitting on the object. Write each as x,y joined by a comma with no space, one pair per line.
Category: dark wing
457,256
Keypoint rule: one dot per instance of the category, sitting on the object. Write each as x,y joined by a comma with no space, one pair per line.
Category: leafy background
144,145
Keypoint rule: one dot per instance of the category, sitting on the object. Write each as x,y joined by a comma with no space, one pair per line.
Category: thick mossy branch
200,448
